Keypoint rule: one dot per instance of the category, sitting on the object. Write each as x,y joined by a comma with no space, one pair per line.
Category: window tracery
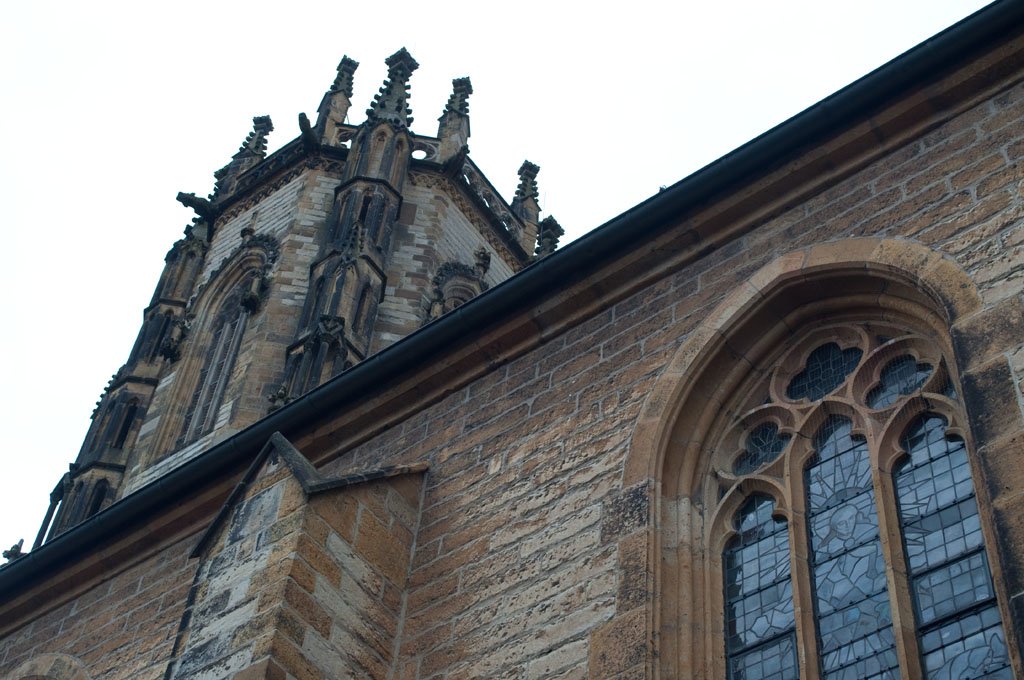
855,431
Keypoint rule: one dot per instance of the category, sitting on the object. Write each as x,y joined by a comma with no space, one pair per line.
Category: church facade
766,424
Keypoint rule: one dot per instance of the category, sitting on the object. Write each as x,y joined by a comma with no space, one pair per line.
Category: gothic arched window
856,546
225,339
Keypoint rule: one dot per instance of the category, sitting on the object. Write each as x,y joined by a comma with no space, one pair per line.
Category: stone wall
533,558
123,627
302,579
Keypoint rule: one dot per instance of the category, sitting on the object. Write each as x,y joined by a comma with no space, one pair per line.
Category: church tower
299,265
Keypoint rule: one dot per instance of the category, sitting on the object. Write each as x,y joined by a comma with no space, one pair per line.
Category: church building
768,423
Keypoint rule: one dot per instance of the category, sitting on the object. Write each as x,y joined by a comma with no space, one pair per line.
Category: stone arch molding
241,281
896,273
884,279
50,667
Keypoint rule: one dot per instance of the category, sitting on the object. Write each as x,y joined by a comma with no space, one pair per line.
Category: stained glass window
760,629
903,375
961,636
847,572
764,444
826,369
854,622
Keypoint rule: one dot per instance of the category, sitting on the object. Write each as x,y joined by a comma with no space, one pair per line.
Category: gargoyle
201,206
309,140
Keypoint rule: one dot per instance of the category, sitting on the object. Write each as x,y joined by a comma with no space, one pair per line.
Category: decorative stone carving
547,238
202,207
14,552
390,105
170,349
309,141
252,151
456,283
278,398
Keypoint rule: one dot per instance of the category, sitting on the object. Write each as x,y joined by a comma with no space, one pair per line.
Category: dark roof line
922,64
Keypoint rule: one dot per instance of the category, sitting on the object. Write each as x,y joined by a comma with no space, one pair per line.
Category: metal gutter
921,65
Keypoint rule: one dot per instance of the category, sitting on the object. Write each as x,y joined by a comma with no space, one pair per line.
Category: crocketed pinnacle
391,103
527,181
256,143
459,99
547,238
346,71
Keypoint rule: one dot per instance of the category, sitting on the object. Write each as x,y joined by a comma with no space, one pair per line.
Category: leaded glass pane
969,646
854,621
764,444
775,660
826,369
900,376
759,619
961,636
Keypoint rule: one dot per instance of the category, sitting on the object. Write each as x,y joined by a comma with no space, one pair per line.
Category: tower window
216,371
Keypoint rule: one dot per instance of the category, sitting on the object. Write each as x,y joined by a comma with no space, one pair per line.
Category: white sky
109,109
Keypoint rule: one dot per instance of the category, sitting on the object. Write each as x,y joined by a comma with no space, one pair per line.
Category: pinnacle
256,142
346,71
459,99
401,60
390,104
527,181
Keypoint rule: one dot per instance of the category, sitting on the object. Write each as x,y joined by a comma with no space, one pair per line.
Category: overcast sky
109,109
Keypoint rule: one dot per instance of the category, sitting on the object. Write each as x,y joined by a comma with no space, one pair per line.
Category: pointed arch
778,319
221,310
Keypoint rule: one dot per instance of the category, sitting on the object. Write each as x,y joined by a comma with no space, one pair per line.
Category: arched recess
221,314
709,386
50,667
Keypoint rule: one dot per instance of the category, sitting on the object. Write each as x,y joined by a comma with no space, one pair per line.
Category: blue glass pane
764,444
854,620
826,369
841,469
899,377
968,646
871,656
775,660
759,621
953,587
961,635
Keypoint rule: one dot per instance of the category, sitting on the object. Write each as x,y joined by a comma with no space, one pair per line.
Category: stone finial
548,235
390,104
458,102
346,72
